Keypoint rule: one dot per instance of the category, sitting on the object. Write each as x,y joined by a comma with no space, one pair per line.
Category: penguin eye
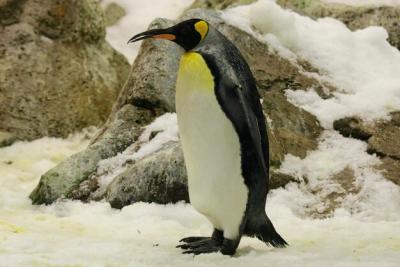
202,28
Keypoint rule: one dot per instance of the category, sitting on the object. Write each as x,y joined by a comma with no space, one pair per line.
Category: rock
57,73
144,88
383,138
390,169
6,138
291,129
61,180
113,13
160,177
278,179
219,4
352,127
355,17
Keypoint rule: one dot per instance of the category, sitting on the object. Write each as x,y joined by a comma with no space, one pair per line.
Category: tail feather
268,234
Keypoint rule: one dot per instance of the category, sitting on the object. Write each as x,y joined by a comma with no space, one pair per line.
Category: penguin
223,135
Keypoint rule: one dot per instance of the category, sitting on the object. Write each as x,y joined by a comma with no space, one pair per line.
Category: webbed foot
206,245
200,244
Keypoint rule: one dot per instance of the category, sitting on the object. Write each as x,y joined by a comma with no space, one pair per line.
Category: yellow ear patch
202,28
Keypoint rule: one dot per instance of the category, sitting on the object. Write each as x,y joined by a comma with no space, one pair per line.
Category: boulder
118,134
160,177
57,73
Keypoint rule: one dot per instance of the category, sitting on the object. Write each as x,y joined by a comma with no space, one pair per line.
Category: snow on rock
372,197
362,64
165,129
139,15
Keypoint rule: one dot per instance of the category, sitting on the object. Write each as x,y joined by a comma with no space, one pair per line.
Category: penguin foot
202,245
191,239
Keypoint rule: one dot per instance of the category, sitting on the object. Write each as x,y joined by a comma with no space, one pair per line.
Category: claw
203,242
191,239
202,250
199,245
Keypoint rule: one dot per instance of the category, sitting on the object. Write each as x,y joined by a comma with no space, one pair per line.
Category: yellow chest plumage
210,146
194,68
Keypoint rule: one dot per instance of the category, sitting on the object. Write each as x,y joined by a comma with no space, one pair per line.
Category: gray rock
160,177
57,73
144,88
63,179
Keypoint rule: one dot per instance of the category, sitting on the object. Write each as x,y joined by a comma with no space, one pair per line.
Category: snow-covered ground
364,231
70,233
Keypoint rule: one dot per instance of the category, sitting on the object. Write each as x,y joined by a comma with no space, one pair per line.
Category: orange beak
156,34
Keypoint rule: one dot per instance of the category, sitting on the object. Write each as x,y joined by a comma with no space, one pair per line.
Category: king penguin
223,135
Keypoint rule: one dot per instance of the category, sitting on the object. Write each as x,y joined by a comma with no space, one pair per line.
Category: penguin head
188,34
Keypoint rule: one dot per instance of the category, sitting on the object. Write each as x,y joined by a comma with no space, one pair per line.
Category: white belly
211,149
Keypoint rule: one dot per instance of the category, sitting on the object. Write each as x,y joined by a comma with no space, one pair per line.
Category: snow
334,154
71,233
166,129
139,15
362,64
365,2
